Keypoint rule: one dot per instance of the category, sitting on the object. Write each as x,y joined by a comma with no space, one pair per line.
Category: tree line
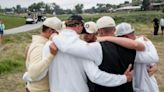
79,8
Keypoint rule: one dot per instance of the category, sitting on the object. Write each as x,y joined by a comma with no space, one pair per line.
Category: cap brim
89,31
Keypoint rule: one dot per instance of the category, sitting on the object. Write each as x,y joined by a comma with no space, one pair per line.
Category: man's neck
44,35
72,28
107,34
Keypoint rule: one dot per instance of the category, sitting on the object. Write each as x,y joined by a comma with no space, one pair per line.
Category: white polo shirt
142,82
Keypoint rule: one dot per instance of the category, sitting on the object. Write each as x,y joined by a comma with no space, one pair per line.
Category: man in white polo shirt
142,81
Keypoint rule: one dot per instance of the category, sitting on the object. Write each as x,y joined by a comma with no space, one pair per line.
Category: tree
79,8
37,6
1,9
57,9
41,5
136,2
68,11
91,10
18,9
33,7
48,8
145,5
126,2
101,8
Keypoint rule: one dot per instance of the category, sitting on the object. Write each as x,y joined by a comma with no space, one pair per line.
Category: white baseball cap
54,23
90,27
123,29
105,21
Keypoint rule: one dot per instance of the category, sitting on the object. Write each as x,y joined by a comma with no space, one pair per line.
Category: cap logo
87,26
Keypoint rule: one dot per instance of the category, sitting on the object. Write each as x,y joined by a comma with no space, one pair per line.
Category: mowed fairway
12,51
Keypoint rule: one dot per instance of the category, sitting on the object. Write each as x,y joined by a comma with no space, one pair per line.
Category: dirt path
24,28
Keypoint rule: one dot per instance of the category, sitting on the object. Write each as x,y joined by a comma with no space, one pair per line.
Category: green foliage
145,5
163,10
37,6
12,52
18,9
131,17
79,8
136,2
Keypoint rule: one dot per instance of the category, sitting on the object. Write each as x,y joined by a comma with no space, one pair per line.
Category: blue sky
63,3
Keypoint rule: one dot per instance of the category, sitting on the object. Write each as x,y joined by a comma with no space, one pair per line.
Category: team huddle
78,56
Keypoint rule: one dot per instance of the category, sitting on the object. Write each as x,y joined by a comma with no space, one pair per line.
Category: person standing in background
162,24
156,25
2,28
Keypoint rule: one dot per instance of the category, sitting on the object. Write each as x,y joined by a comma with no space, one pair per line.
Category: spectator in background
162,24
156,25
2,28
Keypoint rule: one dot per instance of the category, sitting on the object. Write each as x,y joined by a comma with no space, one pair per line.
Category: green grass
12,21
12,52
141,17
10,65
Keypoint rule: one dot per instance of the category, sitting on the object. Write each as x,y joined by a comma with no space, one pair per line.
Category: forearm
81,49
102,78
148,56
109,80
37,68
125,42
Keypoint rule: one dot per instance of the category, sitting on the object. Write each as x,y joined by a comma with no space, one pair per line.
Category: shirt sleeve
79,48
102,78
38,66
149,55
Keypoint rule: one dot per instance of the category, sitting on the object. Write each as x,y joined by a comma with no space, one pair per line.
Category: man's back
66,73
115,60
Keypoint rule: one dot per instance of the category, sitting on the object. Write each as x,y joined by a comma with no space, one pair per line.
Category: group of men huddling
107,58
